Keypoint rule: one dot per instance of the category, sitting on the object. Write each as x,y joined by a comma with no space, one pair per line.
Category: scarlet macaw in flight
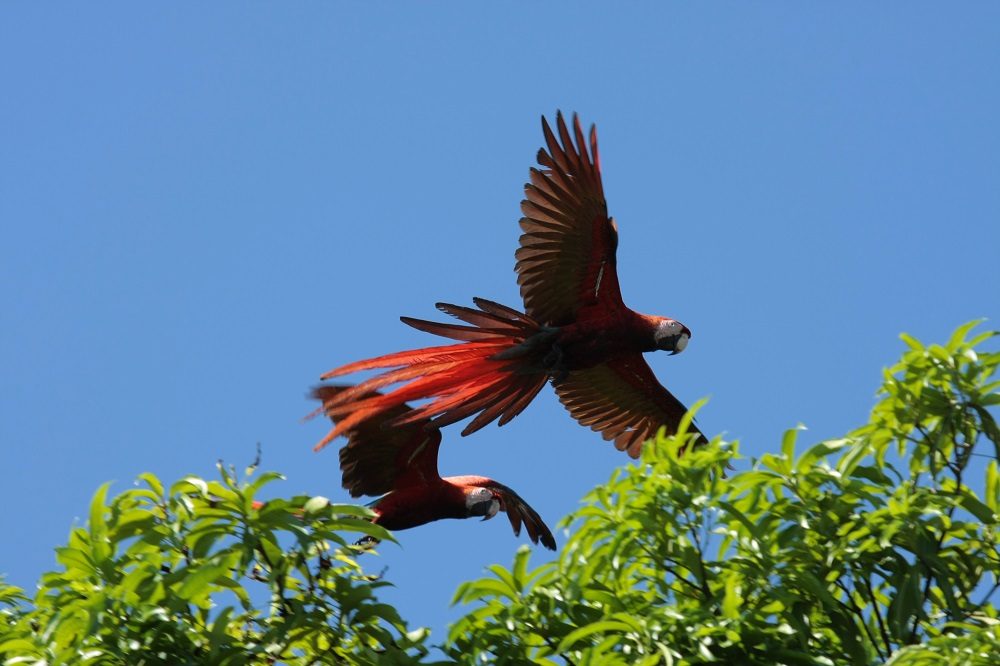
575,329
400,464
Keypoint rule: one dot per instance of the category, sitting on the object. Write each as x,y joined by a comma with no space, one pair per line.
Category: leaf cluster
873,548
199,573
879,547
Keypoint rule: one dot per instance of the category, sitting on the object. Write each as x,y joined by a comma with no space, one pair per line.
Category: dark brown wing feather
520,513
623,401
566,258
379,458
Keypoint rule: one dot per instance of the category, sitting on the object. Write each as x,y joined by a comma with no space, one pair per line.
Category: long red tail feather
460,380
412,356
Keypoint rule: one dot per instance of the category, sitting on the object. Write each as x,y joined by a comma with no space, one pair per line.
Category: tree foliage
196,574
880,547
861,550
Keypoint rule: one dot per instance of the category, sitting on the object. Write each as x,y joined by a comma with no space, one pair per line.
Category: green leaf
911,341
905,604
97,507
604,626
75,559
100,549
23,647
788,442
732,599
735,513
981,511
355,510
992,493
132,523
196,582
957,338
873,474
520,569
263,480
218,636
153,483
315,505
819,452
198,484
485,588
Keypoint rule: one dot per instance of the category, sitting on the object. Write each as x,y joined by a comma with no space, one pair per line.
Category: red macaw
575,330
400,464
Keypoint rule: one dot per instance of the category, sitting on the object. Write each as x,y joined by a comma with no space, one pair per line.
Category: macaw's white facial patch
668,328
671,336
477,496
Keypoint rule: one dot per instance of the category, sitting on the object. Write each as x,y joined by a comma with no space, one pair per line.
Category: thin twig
856,610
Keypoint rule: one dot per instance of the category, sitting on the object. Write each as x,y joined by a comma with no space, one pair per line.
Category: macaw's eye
477,496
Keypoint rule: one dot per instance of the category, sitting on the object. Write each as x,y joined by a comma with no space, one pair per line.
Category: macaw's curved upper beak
486,509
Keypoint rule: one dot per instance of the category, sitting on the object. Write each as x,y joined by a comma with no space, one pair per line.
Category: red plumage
576,331
399,463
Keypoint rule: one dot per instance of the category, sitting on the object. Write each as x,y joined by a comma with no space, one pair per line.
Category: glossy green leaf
604,626
315,505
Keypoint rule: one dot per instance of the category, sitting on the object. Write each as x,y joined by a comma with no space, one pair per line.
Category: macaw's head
671,336
481,502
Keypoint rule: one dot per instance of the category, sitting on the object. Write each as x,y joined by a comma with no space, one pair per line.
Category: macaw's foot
366,543
554,362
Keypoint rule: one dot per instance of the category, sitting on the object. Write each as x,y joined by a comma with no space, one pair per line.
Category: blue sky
205,207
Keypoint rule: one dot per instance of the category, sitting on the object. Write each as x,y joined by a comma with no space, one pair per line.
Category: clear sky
204,207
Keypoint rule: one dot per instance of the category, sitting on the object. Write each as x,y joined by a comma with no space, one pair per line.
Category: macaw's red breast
418,505
594,340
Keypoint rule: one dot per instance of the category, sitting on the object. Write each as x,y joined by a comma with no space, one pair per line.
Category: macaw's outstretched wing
566,259
379,458
519,512
623,401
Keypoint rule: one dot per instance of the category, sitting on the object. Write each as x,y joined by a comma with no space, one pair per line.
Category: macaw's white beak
682,342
